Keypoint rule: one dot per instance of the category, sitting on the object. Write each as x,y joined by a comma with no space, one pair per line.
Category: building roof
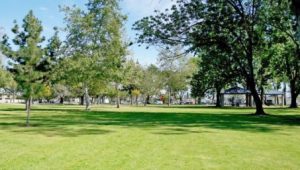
236,90
239,90
274,92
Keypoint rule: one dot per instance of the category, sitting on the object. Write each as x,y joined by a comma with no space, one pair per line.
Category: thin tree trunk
284,94
181,99
102,99
145,101
26,104
247,95
28,107
218,103
86,97
14,96
118,97
262,94
169,97
136,100
131,99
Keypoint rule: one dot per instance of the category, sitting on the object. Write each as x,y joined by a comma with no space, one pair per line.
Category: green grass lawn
155,137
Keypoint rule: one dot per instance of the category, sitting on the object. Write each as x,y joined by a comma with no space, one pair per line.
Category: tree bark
257,99
61,101
218,103
198,100
294,101
145,101
294,94
86,97
248,97
14,96
262,94
148,99
102,99
181,99
118,97
169,97
284,94
82,100
28,107
131,99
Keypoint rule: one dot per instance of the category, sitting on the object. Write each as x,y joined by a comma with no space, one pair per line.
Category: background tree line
249,40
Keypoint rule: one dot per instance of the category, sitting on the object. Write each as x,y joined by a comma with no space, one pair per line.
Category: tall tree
233,26
151,84
133,76
177,69
284,18
94,43
26,58
215,71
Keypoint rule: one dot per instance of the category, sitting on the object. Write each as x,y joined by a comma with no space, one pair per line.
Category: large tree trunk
82,100
294,94
198,100
61,101
148,99
257,99
294,101
28,107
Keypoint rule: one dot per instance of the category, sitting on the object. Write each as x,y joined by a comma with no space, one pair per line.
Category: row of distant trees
90,63
253,42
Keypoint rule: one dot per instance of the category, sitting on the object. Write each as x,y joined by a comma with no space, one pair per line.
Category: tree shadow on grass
51,130
72,123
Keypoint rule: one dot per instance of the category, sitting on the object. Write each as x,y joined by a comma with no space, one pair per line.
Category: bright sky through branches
48,12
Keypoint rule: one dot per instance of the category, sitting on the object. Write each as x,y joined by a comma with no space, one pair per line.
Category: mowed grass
154,137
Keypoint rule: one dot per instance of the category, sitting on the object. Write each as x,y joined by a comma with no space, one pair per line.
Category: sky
48,12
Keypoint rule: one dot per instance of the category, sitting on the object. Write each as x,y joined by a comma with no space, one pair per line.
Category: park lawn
154,137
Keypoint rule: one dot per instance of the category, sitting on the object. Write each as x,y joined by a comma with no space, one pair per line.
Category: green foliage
177,69
286,44
27,58
215,71
95,48
152,82
4,76
132,76
240,30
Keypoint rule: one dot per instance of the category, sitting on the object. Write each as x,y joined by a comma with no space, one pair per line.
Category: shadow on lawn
71,123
